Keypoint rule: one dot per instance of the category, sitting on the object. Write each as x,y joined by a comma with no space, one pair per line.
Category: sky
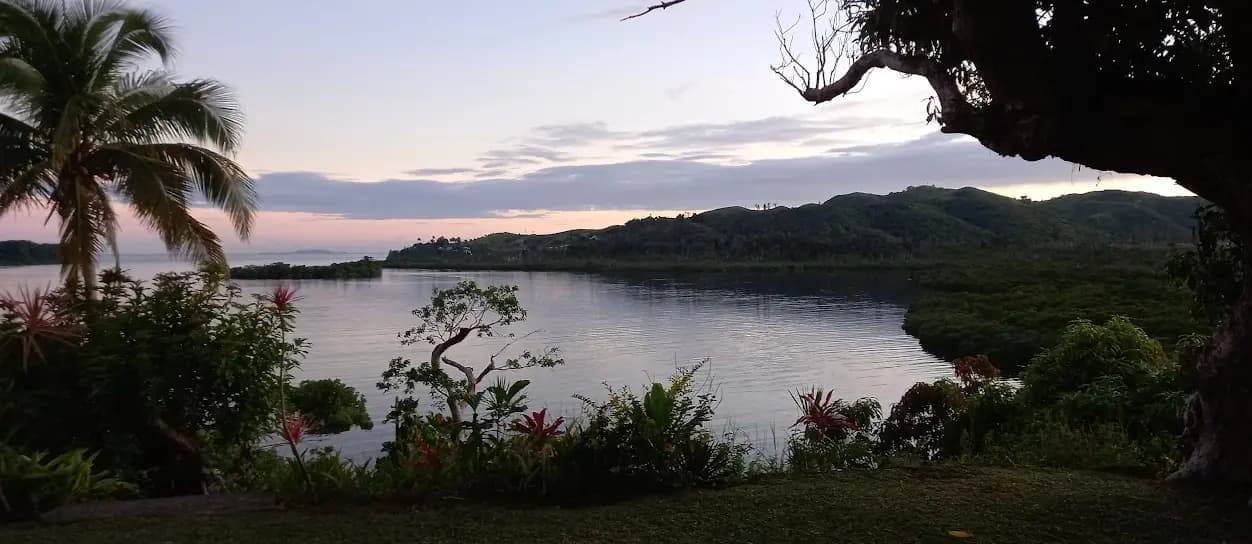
371,125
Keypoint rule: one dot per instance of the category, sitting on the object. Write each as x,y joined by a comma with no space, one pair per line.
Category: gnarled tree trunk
436,357
1219,411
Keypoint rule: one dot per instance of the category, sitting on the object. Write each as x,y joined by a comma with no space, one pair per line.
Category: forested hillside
918,222
24,252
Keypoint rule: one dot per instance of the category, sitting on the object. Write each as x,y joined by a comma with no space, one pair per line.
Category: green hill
915,223
25,252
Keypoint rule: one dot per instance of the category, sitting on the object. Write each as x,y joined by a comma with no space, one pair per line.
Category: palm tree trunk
88,270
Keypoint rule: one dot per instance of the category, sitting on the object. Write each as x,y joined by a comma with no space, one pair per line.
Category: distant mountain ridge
916,222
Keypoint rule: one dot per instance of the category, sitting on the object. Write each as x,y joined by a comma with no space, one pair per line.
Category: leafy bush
944,418
36,483
1049,441
166,381
1216,268
832,434
630,444
331,406
1087,352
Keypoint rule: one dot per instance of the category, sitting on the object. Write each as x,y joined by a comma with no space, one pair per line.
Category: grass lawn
895,505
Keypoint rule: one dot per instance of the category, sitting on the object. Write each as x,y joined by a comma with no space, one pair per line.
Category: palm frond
30,30
217,178
18,147
203,111
160,194
30,21
26,189
127,37
20,83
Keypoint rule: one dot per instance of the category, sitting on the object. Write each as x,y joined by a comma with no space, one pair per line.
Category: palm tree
82,124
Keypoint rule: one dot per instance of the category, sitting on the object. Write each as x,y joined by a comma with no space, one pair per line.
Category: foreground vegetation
363,269
899,505
109,368
23,252
182,386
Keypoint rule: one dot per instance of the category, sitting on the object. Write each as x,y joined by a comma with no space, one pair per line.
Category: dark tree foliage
153,377
1216,268
364,268
331,406
23,252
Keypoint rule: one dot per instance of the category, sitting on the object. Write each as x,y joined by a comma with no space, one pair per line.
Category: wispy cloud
426,172
687,182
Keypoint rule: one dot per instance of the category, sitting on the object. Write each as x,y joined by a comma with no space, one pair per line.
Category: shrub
36,483
947,418
1086,352
331,406
924,422
165,380
832,434
632,444
1053,442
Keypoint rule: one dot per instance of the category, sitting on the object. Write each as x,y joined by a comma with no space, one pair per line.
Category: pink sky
286,231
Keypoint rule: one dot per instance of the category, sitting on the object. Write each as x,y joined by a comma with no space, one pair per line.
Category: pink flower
821,412
283,297
294,428
37,319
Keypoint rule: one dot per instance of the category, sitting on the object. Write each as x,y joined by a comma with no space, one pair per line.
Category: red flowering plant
294,427
820,412
536,427
835,434
32,320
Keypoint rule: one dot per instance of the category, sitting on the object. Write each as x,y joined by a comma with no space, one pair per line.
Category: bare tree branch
832,51
662,5
468,371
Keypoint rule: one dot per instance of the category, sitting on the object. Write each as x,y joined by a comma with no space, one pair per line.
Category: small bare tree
453,316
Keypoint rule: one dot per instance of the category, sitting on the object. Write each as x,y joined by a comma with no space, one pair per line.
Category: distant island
25,252
915,224
364,268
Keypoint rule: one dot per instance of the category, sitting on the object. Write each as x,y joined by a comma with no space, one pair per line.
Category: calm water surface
762,336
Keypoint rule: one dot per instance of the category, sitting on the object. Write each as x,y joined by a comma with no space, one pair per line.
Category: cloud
613,14
667,184
758,131
576,134
524,154
424,172
728,142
